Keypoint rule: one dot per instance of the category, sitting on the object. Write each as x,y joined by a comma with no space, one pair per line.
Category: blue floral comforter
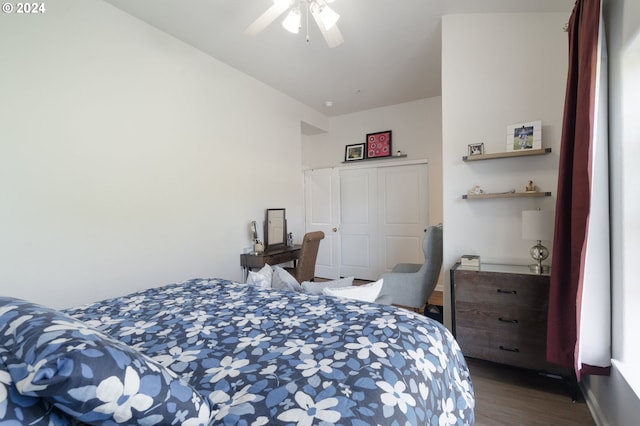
263,356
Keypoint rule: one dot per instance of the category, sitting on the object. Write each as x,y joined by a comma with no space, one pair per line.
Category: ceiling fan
324,16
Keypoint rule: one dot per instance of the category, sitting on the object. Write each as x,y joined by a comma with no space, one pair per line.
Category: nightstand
499,314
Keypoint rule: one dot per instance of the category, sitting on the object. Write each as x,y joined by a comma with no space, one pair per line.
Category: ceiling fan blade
267,18
332,36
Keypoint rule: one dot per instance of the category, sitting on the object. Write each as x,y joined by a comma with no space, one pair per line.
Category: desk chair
305,269
411,284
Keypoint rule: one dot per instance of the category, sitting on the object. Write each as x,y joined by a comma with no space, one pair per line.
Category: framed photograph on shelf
354,152
523,136
476,149
379,144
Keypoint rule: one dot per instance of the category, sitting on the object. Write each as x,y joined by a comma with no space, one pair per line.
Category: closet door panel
359,220
403,214
322,213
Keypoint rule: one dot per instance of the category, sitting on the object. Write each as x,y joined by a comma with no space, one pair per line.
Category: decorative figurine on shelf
530,187
398,153
476,190
290,239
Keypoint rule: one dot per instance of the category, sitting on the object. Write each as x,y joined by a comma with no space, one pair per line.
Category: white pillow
282,280
366,292
318,287
262,278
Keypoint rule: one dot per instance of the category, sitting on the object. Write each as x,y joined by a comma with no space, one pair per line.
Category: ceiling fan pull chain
307,24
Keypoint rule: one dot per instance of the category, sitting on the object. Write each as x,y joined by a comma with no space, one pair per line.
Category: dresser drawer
276,259
512,349
520,351
517,290
502,319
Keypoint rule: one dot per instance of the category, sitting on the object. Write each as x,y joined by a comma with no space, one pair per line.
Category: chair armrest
406,267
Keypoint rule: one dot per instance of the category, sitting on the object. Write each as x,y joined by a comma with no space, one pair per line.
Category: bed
212,351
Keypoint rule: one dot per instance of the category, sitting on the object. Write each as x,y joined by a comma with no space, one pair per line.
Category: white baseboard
592,403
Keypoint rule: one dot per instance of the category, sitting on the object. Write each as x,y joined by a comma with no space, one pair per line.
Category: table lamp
537,225
257,244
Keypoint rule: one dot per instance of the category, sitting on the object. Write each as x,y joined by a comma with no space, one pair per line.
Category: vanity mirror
275,228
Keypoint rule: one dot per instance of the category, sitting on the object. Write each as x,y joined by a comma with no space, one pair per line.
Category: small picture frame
524,136
476,149
379,144
354,152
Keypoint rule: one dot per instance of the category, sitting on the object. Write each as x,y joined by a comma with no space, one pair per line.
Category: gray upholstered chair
409,284
305,269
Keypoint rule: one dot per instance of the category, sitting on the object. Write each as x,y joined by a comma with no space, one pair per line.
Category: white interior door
322,213
359,221
403,214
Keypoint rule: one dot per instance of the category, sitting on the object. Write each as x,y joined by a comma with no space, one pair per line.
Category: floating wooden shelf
389,157
506,195
506,154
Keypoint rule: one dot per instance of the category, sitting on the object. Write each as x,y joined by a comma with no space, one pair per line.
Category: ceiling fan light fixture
325,18
292,22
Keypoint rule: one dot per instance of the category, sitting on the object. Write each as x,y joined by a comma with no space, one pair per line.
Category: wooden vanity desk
272,256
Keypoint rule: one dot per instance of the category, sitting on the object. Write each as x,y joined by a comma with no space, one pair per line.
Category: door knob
335,229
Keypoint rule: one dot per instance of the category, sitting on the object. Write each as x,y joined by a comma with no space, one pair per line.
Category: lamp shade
328,17
292,22
537,225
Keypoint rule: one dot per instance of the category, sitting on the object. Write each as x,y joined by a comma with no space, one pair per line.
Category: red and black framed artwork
379,144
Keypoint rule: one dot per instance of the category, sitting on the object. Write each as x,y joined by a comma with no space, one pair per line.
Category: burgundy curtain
573,204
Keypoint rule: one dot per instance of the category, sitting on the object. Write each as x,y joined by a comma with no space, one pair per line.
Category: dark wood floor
511,396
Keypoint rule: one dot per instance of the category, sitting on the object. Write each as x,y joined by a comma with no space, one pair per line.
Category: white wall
498,69
129,159
417,132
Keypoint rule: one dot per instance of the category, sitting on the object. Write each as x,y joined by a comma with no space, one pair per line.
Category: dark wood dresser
499,314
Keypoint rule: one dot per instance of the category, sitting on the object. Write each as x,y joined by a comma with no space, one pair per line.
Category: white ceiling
391,52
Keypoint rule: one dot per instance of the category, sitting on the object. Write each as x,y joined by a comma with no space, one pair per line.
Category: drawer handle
508,320
507,291
502,348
